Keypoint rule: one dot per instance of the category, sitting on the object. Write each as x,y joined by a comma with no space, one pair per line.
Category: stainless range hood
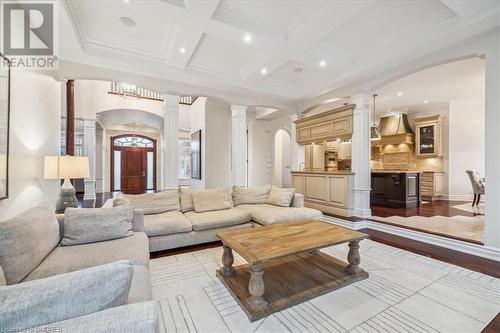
395,129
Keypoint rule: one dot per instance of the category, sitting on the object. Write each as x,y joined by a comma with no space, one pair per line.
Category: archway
133,163
282,159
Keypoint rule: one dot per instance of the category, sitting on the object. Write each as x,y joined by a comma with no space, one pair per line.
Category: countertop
339,172
395,171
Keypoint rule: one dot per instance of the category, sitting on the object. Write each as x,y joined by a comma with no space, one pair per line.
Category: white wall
261,147
282,159
35,131
218,145
197,116
466,145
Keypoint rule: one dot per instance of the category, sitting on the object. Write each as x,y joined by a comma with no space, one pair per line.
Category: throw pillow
151,203
186,199
250,195
213,199
88,225
64,296
26,240
281,196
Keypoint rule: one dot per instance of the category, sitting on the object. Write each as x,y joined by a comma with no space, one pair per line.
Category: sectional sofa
97,281
186,217
88,270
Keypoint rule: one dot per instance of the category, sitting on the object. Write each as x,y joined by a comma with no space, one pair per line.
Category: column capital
362,101
239,108
171,100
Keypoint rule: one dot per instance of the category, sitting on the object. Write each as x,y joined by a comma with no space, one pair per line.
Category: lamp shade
62,167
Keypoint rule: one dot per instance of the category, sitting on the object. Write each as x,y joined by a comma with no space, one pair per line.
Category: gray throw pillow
64,296
26,240
89,225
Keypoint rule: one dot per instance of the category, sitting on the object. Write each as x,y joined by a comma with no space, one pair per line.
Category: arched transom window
133,141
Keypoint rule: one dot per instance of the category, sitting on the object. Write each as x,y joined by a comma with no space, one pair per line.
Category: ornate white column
239,158
99,160
89,150
170,142
492,145
297,150
361,151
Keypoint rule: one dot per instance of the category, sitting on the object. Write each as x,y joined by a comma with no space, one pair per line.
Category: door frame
113,148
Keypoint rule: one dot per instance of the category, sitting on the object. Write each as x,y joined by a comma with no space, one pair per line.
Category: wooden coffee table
295,269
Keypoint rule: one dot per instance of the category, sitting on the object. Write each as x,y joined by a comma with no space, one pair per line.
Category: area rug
404,293
469,228
479,209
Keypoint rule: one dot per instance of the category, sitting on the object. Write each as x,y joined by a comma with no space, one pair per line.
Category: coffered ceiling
290,49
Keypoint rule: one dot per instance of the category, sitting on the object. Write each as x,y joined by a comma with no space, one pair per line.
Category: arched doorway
133,163
282,159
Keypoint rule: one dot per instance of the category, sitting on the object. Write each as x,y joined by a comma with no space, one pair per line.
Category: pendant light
374,132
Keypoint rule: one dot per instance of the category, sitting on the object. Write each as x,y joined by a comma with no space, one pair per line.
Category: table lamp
66,167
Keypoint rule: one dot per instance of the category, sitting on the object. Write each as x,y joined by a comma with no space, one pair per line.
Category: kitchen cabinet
326,126
432,185
330,192
344,151
429,136
395,189
314,159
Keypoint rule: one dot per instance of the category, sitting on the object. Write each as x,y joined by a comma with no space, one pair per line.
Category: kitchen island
395,188
329,191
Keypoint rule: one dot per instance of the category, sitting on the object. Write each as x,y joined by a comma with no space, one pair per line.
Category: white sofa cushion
64,296
26,240
212,200
269,214
280,196
217,219
166,224
88,225
150,203
65,259
250,195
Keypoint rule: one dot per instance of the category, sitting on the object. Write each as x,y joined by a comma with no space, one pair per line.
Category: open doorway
282,159
133,163
440,138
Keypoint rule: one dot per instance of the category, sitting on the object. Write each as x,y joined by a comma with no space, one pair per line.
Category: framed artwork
426,144
4,125
196,155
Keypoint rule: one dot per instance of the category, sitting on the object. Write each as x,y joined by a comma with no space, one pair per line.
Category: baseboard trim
460,197
482,251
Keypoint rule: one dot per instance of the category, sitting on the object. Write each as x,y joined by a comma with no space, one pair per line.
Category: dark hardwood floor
440,207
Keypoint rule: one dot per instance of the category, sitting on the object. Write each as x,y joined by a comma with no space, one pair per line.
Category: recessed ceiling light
298,70
263,71
182,50
322,63
126,1
426,101
247,38
400,94
127,21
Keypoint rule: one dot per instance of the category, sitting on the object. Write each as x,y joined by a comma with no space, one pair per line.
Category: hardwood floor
440,207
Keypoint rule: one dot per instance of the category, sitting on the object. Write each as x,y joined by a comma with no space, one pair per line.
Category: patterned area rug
404,293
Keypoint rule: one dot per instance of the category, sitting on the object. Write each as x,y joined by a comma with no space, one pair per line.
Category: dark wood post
70,117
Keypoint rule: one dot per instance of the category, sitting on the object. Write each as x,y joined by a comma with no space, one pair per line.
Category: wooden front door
134,170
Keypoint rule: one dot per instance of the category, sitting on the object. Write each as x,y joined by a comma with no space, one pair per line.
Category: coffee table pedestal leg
256,286
353,258
227,261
